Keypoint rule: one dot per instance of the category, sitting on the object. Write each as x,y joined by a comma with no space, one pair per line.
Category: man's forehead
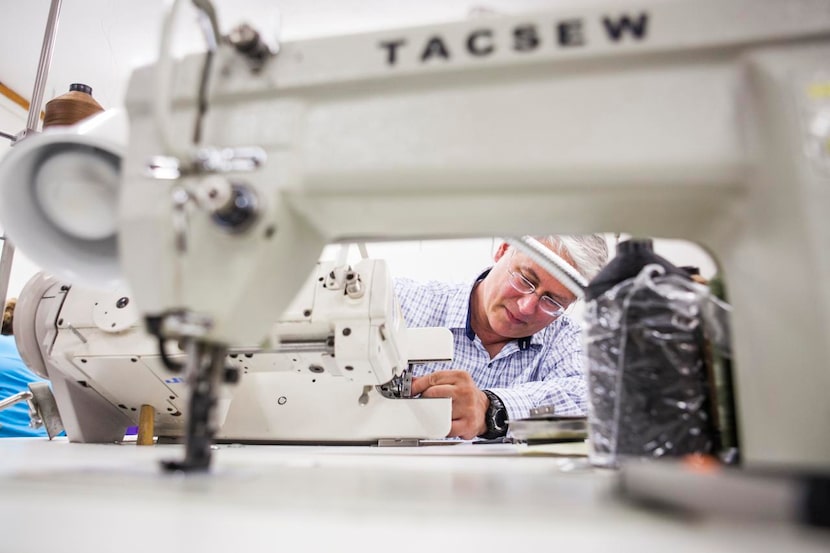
525,259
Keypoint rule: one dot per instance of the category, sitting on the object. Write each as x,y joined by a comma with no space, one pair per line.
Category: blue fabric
546,369
14,378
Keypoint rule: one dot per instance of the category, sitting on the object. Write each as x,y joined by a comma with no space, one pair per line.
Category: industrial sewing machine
703,120
335,368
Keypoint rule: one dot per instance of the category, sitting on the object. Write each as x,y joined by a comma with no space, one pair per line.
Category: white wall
446,260
462,260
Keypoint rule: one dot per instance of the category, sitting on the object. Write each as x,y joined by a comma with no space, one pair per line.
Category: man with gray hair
515,348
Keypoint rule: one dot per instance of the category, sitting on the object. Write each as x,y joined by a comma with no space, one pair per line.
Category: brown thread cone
69,108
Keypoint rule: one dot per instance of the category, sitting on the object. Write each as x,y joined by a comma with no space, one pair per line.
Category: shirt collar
524,342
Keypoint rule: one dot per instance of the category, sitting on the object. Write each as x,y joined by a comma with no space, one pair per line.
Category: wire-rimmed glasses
547,304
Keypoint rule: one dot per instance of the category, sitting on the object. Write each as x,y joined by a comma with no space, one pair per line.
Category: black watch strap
495,418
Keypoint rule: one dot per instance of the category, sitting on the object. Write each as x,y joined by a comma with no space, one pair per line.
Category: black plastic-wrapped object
648,387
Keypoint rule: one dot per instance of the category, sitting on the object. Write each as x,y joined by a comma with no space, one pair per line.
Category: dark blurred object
632,256
694,273
700,485
719,375
723,400
8,317
648,381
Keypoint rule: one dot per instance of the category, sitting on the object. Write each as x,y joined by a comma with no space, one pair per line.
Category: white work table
57,496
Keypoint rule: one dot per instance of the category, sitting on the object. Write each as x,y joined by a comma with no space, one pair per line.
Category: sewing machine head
667,121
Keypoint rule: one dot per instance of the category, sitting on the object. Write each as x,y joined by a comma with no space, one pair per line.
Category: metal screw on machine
354,286
248,42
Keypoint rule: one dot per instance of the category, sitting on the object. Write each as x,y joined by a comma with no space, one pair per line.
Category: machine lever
15,399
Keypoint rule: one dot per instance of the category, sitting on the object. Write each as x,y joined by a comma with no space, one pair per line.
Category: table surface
59,496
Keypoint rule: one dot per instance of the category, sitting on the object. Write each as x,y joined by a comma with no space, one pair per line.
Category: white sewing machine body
317,381
702,120
684,124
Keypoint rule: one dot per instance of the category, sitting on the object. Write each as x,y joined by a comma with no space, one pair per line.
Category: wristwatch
495,418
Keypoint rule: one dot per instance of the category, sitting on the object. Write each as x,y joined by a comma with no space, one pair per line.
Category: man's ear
501,251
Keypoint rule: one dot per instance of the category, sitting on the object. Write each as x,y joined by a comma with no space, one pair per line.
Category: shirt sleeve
562,383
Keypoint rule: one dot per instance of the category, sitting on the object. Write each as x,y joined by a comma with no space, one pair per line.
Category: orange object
69,108
700,463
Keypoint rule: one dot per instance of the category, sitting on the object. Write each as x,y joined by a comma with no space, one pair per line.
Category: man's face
511,313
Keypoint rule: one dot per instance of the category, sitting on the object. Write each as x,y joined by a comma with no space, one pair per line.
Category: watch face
500,418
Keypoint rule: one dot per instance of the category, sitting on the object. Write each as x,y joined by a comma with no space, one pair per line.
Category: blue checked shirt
543,369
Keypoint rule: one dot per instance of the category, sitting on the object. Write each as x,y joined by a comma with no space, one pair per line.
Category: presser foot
205,369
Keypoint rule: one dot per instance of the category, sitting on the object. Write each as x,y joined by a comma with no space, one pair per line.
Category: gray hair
589,252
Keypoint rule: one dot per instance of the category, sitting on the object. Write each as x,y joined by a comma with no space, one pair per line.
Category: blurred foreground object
649,383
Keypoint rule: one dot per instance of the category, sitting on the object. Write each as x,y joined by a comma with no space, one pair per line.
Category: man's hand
469,404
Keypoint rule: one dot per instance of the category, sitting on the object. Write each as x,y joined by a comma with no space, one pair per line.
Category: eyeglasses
547,304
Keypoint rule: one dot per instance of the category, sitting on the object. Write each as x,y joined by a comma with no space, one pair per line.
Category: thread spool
69,108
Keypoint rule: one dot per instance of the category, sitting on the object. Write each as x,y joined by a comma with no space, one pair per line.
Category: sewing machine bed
59,496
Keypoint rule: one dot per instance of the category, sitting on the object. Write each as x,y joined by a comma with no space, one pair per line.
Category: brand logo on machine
483,42
174,380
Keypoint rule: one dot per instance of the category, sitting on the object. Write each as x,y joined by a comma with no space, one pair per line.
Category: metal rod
306,347
16,398
7,254
322,345
43,66
6,258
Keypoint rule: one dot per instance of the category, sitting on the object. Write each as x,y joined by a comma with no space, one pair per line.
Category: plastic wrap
651,390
